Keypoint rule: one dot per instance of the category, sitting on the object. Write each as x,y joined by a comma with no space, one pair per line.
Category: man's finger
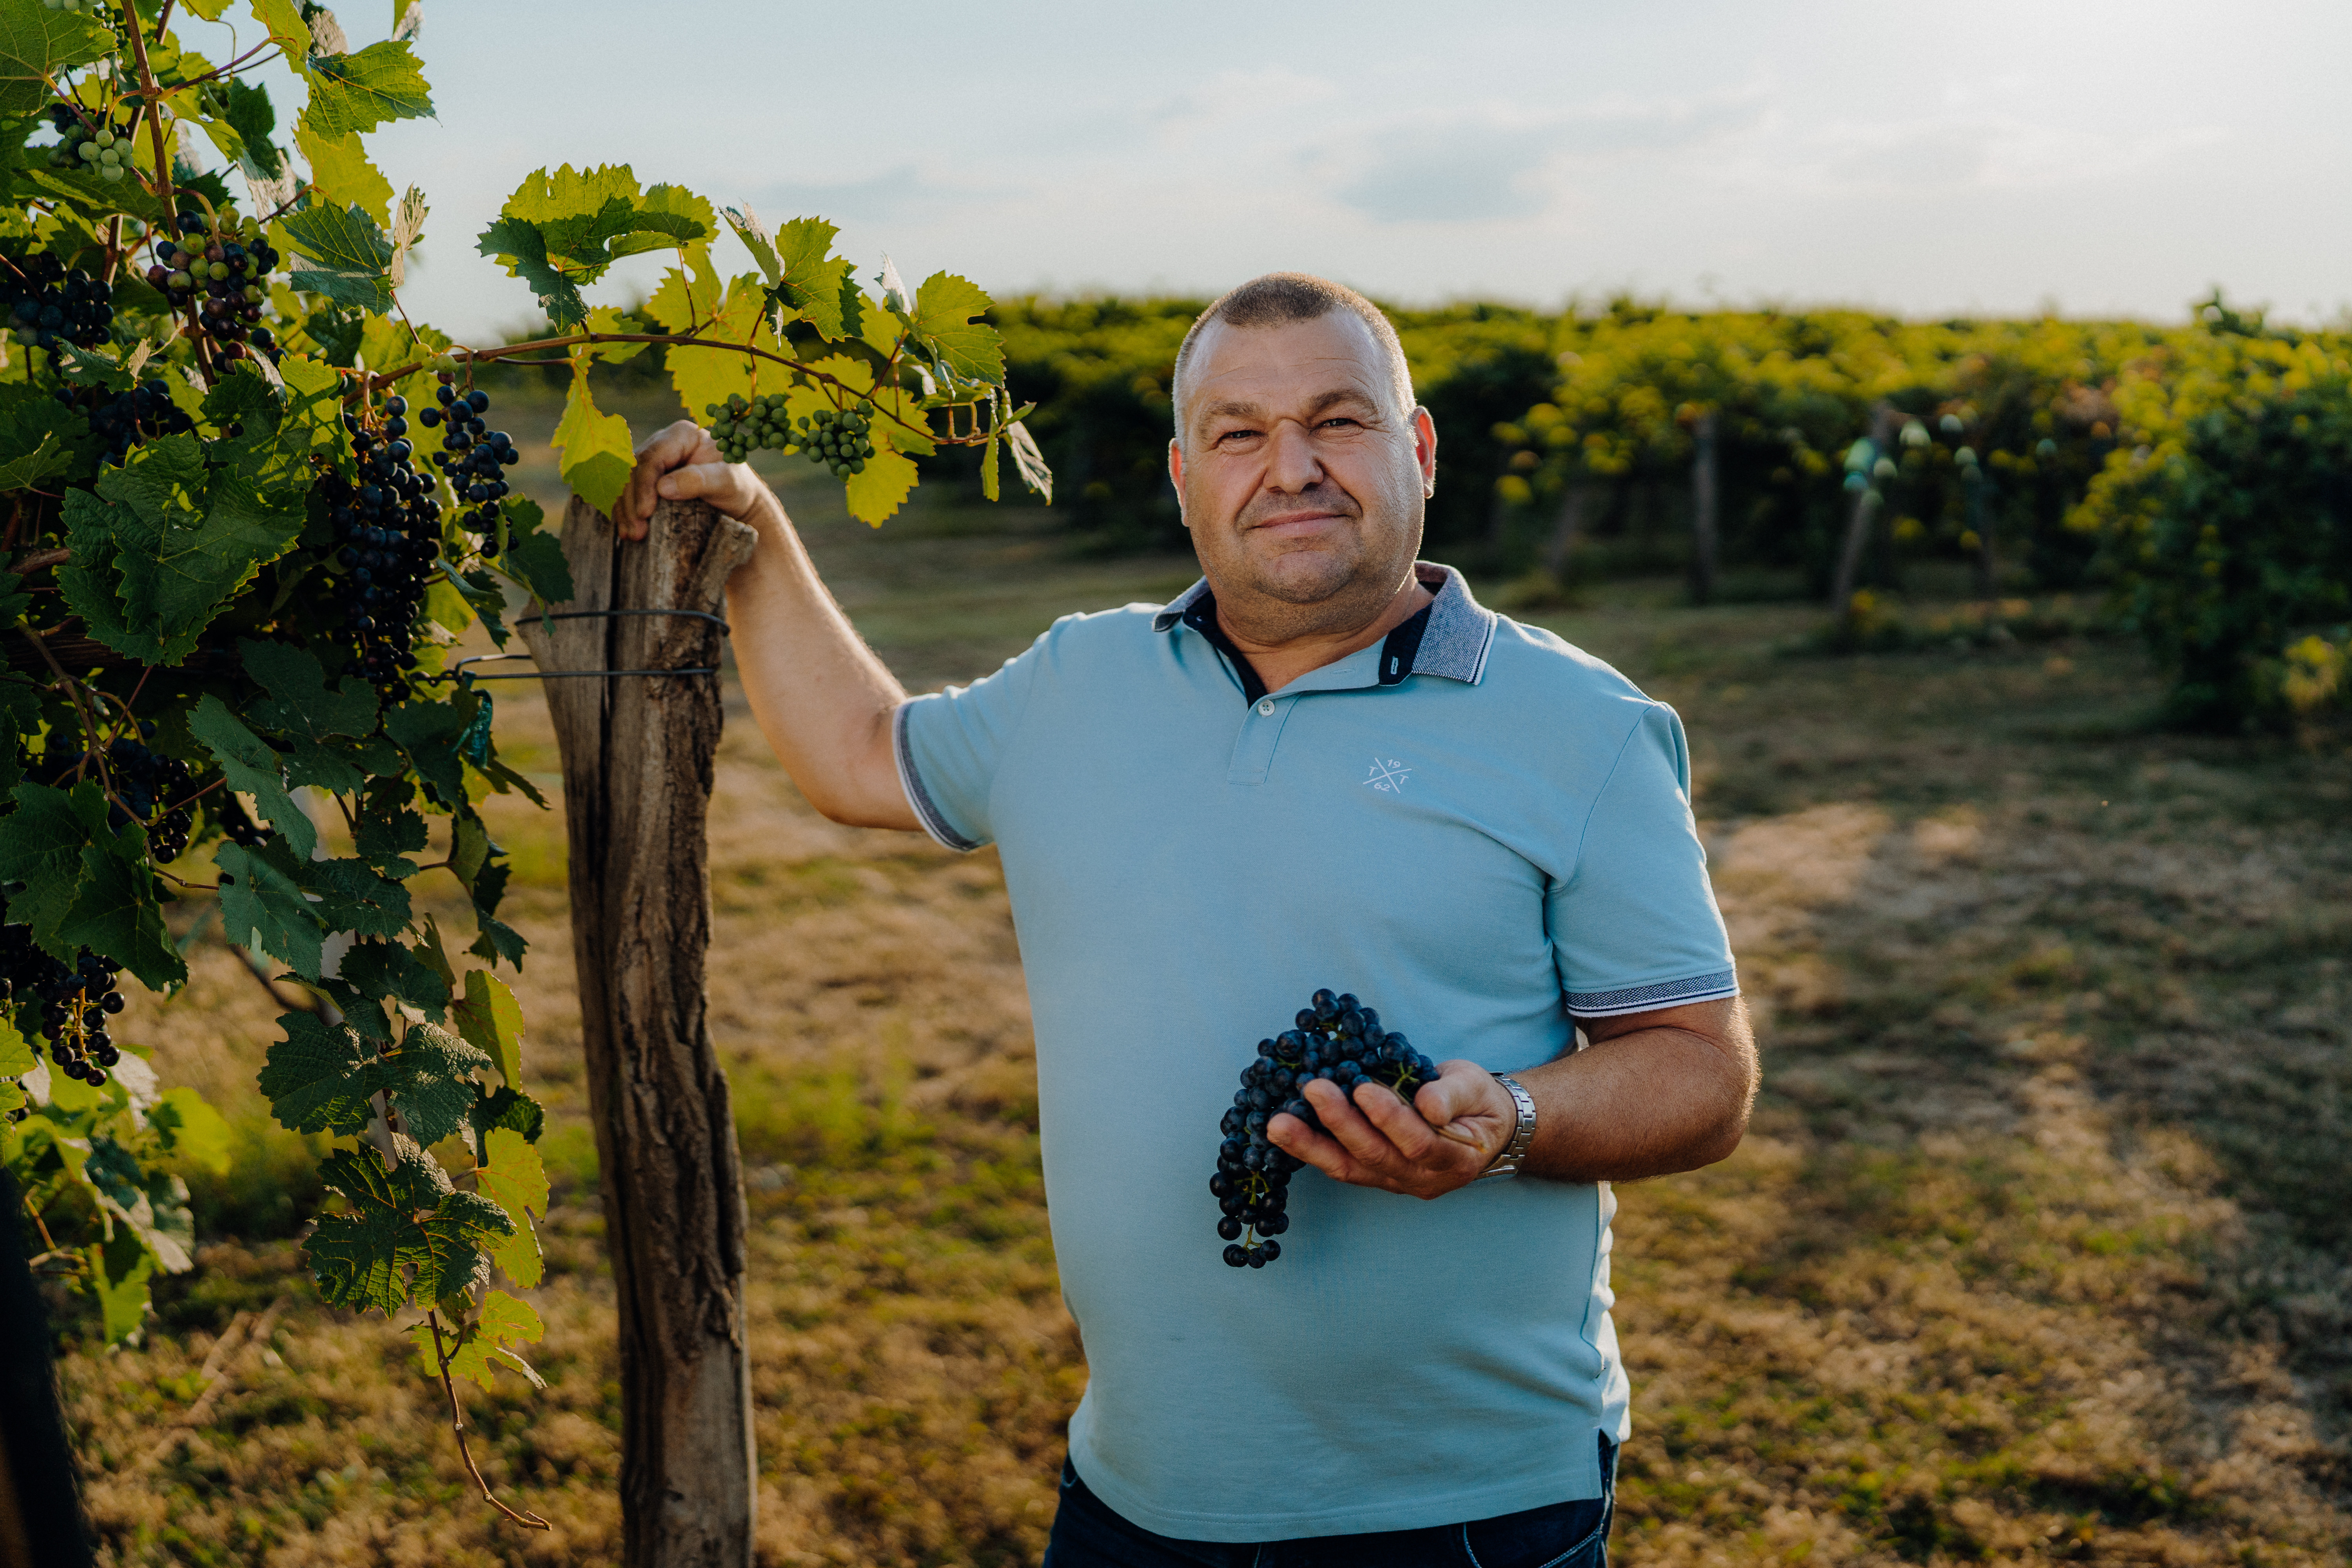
1358,1137
698,481
1404,1126
665,449
1466,1106
1318,1149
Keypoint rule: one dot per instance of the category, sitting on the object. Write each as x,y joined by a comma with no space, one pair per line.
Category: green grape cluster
105,151
841,441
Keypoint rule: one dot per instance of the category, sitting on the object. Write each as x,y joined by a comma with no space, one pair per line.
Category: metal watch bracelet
1506,1163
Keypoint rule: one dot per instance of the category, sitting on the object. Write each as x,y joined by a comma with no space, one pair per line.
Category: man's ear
1424,450
1176,478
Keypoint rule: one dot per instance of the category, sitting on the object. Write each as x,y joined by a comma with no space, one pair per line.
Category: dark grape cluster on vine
75,1001
223,266
235,824
388,535
48,303
1336,1037
475,457
123,419
155,790
841,441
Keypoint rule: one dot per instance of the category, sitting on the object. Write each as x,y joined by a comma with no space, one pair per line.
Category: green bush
2228,528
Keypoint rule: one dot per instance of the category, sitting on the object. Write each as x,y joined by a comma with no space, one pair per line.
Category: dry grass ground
2038,1250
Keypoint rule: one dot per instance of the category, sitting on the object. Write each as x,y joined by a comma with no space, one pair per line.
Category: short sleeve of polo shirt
948,744
1635,925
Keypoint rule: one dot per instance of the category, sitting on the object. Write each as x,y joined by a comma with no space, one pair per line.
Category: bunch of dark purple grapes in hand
1337,1038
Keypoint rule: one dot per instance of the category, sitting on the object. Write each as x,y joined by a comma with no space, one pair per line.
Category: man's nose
1292,464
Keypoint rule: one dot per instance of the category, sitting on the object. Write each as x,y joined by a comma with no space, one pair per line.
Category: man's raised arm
822,699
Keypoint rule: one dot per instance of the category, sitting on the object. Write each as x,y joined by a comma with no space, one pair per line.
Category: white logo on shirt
1388,777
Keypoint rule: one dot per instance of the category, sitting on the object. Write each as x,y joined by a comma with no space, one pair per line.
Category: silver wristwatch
1506,1163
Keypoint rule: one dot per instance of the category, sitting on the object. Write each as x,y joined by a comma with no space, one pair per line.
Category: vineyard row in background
2188,483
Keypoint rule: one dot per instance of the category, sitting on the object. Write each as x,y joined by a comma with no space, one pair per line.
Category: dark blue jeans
1088,1534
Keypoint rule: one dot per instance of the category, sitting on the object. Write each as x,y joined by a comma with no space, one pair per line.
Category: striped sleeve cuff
1721,985
927,810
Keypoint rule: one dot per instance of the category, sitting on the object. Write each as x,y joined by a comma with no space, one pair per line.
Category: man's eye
1340,421
1237,436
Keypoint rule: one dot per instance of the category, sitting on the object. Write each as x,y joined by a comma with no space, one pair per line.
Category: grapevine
231,589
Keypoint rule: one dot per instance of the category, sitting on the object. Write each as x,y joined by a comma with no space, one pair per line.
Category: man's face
1303,487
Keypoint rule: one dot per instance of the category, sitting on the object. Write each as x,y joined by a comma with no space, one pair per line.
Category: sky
2088,156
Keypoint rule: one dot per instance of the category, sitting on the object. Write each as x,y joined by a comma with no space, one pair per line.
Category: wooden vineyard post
1704,492
1867,502
637,767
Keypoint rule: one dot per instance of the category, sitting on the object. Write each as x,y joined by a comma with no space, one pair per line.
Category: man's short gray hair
1280,298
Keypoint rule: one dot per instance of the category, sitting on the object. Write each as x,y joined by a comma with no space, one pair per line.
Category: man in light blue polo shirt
1324,766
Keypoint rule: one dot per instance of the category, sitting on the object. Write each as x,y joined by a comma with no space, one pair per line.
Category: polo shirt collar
1454,642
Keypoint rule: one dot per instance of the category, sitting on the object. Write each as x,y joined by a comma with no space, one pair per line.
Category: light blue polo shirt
1494,825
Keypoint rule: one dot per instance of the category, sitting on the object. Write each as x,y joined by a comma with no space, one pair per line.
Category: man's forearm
819,694
1646,1102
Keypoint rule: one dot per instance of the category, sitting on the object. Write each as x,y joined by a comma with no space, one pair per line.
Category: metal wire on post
465,677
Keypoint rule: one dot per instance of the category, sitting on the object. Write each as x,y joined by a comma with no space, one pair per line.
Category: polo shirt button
1265,706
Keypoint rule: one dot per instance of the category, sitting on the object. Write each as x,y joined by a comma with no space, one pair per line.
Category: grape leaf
427,732
39,438
255,122
476,1349
496,940
505,1108
406,1227
352,255
878,492
688,297
353,93
562,230
283,19
388,969
319,1076
300,705
35,43
944,308
512,1177
389,831
706,376
169,541
20,704
118,1276
352,898
17,1058
816,282
255,769
1029,460
342,174
263,905
533,556
429,1077
407,228
41,845
597,452
115,913
317,1079
193,1130
491,1020
671,217
613,319
756,240
521,249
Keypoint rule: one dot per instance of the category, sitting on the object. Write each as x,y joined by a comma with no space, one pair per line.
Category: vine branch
527,1518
